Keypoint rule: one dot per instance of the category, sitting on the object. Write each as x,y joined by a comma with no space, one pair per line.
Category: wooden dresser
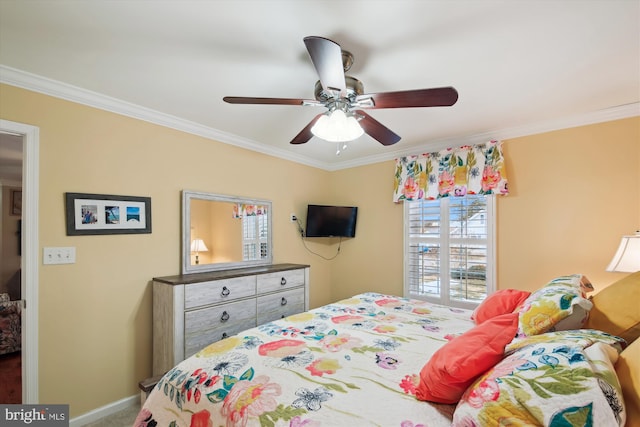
191,311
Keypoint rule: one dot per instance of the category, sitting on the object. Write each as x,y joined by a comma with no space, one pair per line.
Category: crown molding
33,82
46,86
600,116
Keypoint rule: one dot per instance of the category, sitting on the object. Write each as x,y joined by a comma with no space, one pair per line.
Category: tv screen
331,221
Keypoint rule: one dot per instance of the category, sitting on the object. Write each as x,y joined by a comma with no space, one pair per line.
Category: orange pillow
500,302
453,367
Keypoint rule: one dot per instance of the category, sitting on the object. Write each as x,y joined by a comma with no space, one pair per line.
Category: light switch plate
59,255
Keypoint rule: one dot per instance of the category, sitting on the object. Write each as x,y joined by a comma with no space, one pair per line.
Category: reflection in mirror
220,232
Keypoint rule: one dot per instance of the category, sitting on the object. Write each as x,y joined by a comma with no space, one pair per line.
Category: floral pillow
558,306
556,379
578,281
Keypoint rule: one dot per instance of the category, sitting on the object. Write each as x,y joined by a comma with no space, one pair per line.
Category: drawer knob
283,281
224,335
283,301
224,317
225,291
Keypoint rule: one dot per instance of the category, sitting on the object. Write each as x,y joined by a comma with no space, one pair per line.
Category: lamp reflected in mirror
197,246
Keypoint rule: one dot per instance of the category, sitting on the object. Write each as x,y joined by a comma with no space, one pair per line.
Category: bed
384,360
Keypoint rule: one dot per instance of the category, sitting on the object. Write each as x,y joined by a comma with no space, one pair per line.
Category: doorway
11,302
21,201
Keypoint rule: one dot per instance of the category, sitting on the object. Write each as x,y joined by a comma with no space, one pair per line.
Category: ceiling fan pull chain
340,147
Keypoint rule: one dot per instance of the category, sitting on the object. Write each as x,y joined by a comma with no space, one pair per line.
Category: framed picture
16,202
88,214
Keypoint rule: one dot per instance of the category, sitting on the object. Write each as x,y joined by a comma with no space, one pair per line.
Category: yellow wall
373,260
95,315
201,229
213,222
573,194
226,233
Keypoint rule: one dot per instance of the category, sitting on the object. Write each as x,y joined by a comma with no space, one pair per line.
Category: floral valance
454,172
240,210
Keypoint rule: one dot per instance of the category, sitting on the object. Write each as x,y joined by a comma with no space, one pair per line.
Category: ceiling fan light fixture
336,126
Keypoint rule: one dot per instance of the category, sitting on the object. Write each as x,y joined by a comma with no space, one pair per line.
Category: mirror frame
187,196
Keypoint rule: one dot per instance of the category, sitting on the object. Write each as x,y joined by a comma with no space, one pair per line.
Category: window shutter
449,249
255,230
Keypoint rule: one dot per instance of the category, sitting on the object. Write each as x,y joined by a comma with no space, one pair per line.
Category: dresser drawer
280,280
207,325
279,305
217,291
192,311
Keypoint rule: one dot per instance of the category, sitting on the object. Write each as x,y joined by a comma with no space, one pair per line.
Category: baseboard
104,411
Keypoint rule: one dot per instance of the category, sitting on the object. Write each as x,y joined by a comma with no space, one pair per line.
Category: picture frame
16,202
93,214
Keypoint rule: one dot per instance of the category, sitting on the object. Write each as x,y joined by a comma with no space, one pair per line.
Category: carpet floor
124,418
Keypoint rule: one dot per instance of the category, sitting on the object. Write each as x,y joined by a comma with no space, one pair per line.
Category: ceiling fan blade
305,134
377,130
275,101
326,56
435,97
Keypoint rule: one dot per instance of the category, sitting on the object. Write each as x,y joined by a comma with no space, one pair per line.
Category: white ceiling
519,66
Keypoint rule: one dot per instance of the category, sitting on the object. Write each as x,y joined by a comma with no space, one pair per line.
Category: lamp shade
197,245
337,127
627,257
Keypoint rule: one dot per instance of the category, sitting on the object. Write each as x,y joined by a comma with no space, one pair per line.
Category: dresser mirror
221,232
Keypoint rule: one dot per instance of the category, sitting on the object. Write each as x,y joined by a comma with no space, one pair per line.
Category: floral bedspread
355,362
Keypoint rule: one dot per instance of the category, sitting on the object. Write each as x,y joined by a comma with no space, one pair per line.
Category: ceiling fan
345,100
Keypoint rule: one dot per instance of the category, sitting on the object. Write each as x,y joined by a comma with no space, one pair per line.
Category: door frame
29,262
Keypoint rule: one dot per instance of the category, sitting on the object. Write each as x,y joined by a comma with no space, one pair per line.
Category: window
254,237
449,249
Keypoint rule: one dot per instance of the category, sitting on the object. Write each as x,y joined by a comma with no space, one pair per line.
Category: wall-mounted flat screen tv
331,221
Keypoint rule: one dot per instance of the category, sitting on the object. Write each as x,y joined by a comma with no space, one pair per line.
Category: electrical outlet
293,217
59,255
